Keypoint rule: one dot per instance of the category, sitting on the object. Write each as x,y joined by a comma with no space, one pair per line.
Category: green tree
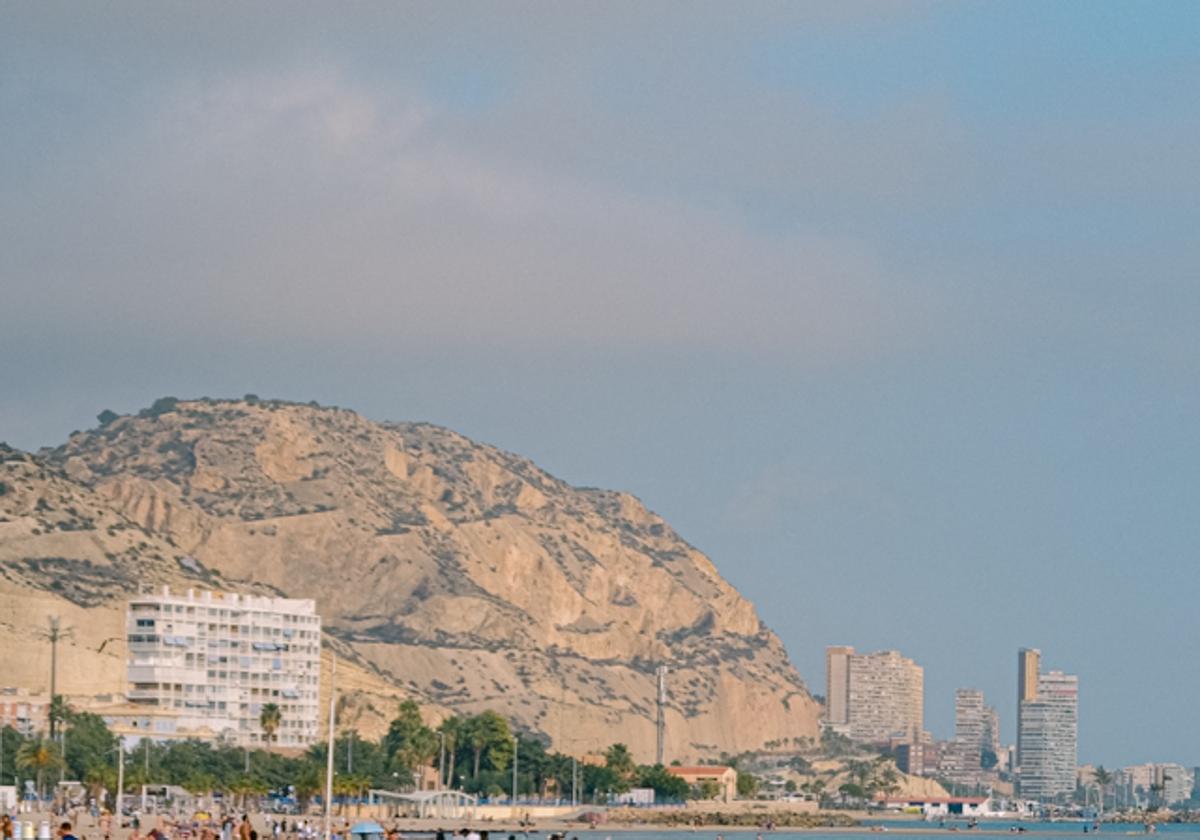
747,785
409,743
59,713
451,729
240,787
90,744
269,719
10,743
97,779
199,783
667,786
835,745
707,789
488,734
598,782
852,791
620,762
308,782
38,756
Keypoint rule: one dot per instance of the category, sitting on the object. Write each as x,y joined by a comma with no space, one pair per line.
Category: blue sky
889,307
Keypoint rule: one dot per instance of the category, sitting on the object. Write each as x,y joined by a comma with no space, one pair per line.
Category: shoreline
88,829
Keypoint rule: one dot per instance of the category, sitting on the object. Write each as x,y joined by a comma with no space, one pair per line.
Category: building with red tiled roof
723,776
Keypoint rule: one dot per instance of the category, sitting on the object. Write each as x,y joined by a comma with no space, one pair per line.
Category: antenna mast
661,673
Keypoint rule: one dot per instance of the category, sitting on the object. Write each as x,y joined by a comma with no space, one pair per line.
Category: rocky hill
453,571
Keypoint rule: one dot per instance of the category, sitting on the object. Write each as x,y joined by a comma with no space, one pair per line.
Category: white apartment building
1177,782
213,660
1156,784
1049,732
886,699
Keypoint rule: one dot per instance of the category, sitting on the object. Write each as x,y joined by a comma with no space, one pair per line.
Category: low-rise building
910,758
724,777
940,806
25,712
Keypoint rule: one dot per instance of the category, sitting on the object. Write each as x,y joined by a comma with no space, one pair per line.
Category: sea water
908,830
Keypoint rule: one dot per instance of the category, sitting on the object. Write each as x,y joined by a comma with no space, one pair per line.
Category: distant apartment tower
976,733
1155,785
1047,738
1176,783
885,698
1028,668
837,686
215,659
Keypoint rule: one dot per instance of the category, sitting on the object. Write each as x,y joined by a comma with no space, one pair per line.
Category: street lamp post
516,744
329,751
120,778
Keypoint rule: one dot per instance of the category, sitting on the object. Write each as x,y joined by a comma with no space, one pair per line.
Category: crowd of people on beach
228,827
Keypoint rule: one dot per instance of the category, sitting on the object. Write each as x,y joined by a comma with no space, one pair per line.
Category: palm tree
451,730
38,755
269,719
343,786
478,740
358,785
1156,790
98,778
241,787
308,783
60,712
1103,778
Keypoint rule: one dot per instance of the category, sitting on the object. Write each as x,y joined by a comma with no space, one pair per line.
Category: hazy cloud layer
302,204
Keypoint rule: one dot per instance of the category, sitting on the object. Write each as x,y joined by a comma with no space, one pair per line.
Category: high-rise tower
837,685
1028,665
1048,734
660,727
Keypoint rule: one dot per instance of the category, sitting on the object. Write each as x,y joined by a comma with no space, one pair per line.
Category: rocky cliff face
463,574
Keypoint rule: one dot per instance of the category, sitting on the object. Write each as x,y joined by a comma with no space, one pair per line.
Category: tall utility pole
329,751
574,782
661,727
516,743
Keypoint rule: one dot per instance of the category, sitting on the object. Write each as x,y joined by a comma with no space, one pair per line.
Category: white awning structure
427,804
